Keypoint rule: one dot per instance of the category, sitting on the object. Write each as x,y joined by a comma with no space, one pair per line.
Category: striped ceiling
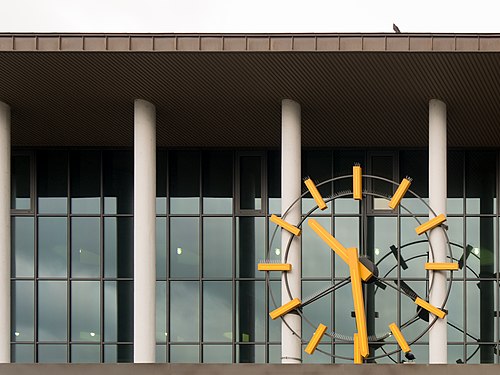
356,98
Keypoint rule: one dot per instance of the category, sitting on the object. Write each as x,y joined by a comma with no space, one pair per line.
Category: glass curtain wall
72,263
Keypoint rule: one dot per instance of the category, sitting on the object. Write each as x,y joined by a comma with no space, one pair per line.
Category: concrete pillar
144,232
291,180
438,337
4,233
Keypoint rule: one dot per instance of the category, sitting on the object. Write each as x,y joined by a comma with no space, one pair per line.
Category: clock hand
357,296
337,247
324,292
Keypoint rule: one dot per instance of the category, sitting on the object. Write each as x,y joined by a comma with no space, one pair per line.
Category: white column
438,337
291,180
144,231
4,233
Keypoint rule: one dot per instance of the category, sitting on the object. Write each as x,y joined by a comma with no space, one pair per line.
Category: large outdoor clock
369,342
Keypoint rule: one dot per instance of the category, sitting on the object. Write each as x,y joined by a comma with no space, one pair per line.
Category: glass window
217,311
250,353
382,166
217,247
23,311
161,247
344,161
118,180
23,244
274,325
415,164
161,353
250,182
250,246
52,311
316,255
481,182
184,354
52,182
49,353
85,172
161,311
85,353
21,182
23,353
119,247
118,311
217,354
184,247
118,353
319,311
184,181
52,247
317,165
85,246
85,311
455,183
250,313
161,183
184,312
274,181
218,182
382,238
481,235
346,230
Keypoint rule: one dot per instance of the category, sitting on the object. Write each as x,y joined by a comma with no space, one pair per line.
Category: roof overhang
355,90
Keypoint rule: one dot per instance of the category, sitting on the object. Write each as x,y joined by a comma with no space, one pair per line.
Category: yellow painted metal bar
441,266
400,193
285,225
432,309
286,308
337,247
399,338
431,224
357,182
357,297
358,358
274,267
315,339
315,194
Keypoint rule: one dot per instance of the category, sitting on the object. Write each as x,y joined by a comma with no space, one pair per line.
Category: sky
259,16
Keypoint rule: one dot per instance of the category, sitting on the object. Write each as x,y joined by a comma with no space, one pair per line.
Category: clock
388,273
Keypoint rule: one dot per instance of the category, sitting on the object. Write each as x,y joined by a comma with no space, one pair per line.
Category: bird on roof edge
396,29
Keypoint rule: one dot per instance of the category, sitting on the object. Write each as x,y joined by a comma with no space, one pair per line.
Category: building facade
140,173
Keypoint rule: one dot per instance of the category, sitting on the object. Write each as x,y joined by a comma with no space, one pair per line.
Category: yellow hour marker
441,266
357,183
399,338
431,224
432,309
285,225
315,194
315,339
400,193
286,308
274,267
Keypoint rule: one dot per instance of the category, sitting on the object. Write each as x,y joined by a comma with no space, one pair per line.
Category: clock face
367,278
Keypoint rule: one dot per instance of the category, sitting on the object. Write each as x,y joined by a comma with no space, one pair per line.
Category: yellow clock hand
337,247
357,296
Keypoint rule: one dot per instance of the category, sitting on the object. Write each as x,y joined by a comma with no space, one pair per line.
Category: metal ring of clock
414,318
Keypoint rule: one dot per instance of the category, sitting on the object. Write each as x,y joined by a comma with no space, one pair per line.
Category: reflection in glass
274,325
217,354
22,311
414,254
23,243
118,247
184,247
161,311
82,353
217,311
319,311
85,311
119,312
85,246
161,247
480,178
316,255
48,353
118,353
250,316
52,182
52,246
161,182
52,311
184,354
22,353
481,235
258,350
317,165
118,182
217,247
455,307
250,183
274,181
382,234
218,182
250,246
184,177
85,179
184,311
274,353
21,182
161,353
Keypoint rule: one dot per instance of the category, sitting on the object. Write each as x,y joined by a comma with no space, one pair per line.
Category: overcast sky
224,16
